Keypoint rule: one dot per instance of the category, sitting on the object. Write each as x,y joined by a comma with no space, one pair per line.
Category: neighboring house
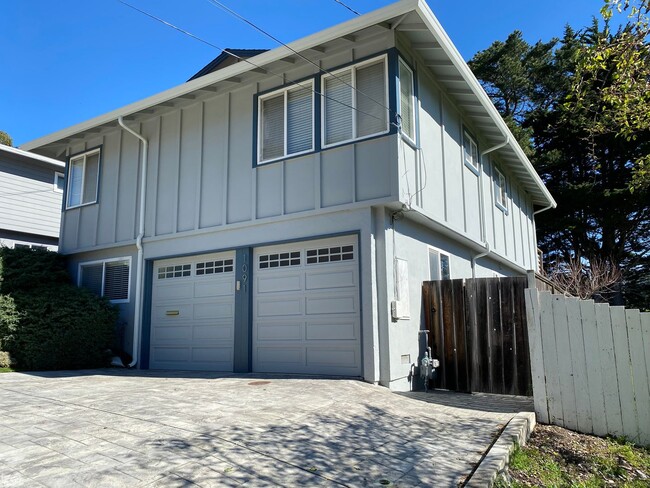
290,211
31,189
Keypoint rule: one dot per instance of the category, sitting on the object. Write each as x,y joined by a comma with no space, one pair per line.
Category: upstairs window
470,153
108,278
500,191
355,102
406,100
83,174
59,182
286,123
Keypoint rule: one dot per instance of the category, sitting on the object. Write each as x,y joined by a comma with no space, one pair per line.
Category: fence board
460,346
473,364
645,332
448,333
508,344
522,358
624,372
550,360
483,329
579,365
593,358
564,365
639,374
608,370
533,316
496,335
436,327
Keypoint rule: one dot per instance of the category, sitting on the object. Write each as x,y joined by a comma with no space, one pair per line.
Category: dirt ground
559,457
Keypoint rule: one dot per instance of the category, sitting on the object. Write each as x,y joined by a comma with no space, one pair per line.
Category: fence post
533,315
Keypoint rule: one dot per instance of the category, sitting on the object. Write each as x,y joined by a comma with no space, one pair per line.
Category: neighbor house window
500,191
286,122
470,153
355,102
109,278
438,265
59,181
406,100
83,174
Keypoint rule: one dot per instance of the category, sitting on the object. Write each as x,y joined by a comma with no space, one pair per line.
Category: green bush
50,324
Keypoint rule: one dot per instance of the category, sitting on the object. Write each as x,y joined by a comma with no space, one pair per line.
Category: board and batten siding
29,202
436,181
201,173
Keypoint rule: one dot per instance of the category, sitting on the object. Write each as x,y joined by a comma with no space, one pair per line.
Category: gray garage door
306,315
192,317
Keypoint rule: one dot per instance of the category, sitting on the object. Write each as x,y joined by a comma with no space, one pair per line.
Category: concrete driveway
128,428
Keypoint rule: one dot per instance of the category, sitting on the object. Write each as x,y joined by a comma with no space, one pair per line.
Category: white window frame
500,190
476,169
285,91
414,106
83,155
55,186
103,263
353,83
440,252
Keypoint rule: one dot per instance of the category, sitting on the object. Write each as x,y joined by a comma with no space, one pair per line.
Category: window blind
273,127
91,277
116,280
338,111
76,179
299,120
371,85
406,100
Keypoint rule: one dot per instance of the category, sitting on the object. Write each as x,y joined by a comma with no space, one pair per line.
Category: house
279,214
31,190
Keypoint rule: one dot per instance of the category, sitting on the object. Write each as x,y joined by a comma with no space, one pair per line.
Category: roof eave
43,159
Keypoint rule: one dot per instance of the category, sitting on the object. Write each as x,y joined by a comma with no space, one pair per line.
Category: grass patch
6,370
557,457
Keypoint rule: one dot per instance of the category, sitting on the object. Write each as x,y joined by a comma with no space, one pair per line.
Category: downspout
486,244
137,322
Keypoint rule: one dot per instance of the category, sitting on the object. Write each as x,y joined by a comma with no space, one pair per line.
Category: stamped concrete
128,428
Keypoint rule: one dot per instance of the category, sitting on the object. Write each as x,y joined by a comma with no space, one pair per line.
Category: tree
612,81
5,139
590,174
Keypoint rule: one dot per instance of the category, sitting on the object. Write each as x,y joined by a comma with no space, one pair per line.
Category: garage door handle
172,312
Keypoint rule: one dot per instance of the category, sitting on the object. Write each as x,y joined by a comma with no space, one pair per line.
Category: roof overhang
30,155
414,19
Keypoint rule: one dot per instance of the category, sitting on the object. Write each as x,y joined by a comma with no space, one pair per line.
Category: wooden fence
477,329
590,365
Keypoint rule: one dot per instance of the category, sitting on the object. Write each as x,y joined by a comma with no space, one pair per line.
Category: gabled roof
413,19
19,152
228,55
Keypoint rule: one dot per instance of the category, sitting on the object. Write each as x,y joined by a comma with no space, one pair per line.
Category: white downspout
486,244
137,322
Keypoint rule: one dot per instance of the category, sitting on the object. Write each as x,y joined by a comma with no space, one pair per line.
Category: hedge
46,322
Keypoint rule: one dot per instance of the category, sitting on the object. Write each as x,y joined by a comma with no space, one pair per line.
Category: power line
240,58
349,8
227,9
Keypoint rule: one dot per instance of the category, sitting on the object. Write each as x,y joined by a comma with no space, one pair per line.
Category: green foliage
22,269
5,361
601,211
5,139
46,322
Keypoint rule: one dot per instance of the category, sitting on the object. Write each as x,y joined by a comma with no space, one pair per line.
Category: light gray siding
29,202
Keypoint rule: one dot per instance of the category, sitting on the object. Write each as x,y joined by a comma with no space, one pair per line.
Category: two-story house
280,213
31,190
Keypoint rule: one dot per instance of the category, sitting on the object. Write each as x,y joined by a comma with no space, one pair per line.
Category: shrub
23,269
5,360
50,324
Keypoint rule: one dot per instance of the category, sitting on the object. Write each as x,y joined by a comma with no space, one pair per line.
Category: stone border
496,460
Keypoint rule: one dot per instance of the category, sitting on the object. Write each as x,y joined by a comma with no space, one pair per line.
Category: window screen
92,277
407,113
84,176
109,279
273,127
371,86
338,108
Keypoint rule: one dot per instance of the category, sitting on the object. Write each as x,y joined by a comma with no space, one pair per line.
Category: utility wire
227,9
349,8
245,60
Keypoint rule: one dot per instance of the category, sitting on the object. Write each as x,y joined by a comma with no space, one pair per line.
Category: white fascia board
31,155
452,53
367,20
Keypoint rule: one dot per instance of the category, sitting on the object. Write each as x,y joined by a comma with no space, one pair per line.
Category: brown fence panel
478,332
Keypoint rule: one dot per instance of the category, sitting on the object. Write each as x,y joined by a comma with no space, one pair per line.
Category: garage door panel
172,312
175,291
193,309
216,288
331,279
279,331
212,332
331,305
280,357
332,357
331,331
306,316
279,284
279,307
213,310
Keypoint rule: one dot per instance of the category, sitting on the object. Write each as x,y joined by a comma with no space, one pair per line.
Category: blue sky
67,61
